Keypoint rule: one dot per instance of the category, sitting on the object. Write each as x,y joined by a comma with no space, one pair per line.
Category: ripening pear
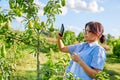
3,51
43,24
1,24
30,24
51,28
63,2
8,25
20,13
36,22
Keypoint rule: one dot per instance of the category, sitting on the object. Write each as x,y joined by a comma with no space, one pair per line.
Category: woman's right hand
59,37
61,45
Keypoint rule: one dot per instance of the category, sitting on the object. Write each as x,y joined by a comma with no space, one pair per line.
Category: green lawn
112,66
26,69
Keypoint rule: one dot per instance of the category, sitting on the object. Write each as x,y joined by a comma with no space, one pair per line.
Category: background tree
34,27
110,40
69,37
80,37
6,60
116,48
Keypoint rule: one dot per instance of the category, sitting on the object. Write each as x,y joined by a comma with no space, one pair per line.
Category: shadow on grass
112,74
112,58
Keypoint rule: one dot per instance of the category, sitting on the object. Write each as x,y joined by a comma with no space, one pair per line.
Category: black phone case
62,30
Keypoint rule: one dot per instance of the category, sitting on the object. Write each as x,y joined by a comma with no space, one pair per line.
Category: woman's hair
97,28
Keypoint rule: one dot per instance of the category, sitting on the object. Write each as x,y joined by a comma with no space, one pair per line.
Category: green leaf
1,78
63,2
58,6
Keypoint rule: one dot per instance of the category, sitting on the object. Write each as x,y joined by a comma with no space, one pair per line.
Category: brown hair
97,28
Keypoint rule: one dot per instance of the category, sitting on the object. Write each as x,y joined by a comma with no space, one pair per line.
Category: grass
26,69
112,66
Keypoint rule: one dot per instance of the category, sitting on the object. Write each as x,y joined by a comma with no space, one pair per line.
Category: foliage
70,76
52,8
34,27
19,7
46,45
116,48
11,40
117,77
55,66
6,64
102,76
110,40
69,37
7,61
80,37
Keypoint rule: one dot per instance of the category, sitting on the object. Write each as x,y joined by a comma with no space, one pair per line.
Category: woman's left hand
75,57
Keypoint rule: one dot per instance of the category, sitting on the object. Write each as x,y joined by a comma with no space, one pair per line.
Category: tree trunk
38,57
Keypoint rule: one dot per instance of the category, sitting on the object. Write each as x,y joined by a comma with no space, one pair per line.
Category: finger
74,54
59,36
72,57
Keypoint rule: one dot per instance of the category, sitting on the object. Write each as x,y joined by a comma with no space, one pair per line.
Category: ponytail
102,39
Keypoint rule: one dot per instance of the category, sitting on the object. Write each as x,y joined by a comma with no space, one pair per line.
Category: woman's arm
90,71
61,45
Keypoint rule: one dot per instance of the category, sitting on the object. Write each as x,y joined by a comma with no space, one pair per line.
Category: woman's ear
99,36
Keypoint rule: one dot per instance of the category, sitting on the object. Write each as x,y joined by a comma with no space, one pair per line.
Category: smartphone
61,30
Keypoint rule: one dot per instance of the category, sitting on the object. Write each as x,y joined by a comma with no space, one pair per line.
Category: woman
88,57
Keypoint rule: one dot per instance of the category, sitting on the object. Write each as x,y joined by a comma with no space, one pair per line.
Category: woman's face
89,36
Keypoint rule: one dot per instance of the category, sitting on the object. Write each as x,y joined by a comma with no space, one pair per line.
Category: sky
77,13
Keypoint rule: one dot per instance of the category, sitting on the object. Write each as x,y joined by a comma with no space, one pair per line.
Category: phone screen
62,30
